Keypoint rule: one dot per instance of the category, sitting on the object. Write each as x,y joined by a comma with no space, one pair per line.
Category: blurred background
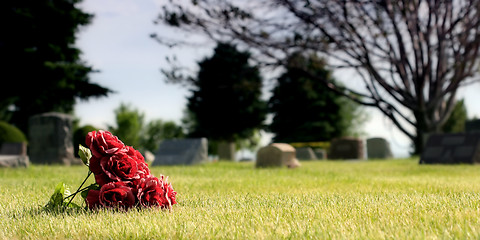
98,61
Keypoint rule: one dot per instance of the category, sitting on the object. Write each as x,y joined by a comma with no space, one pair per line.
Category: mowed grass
397,199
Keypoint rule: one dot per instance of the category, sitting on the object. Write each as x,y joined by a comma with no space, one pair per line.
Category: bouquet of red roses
122,178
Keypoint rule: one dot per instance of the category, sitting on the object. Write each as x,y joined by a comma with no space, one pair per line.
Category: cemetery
362,192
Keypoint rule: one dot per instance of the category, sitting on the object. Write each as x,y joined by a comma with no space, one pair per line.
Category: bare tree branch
411,54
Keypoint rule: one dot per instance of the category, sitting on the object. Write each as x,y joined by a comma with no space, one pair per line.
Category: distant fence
323,145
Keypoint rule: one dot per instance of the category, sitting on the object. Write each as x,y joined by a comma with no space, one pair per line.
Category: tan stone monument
277,155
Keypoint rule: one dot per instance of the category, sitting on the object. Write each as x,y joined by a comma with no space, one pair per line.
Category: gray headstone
17,148
472,125
182,152
320,153
346,148
452,148
14,161
305,153
277,155
50,139
226,151
378,148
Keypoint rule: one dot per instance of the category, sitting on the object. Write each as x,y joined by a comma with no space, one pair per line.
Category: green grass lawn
321,200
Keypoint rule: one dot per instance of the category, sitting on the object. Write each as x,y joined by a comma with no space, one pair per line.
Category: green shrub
79,136
10,133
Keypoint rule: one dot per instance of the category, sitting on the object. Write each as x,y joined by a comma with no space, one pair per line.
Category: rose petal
93,199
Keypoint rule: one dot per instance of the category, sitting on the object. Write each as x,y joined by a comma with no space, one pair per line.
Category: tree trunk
423,131
420,141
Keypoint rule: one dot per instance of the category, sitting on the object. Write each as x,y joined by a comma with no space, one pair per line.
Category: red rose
100,177
143,169
152,191
125,165
94,165
93,199
170,194
118,167
132,152
103,143
116,195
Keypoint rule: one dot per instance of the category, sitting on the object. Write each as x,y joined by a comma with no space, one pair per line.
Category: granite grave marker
13,148
378,148
187,151
305,153
452,148
346,148
50,139
14,155
321,153
14,161
472,125
226,151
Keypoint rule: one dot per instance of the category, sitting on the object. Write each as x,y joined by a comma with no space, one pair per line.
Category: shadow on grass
39,211
42,211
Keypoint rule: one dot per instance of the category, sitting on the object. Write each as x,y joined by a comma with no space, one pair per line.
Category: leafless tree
411,56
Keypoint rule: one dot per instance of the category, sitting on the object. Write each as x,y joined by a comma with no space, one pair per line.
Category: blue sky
118,44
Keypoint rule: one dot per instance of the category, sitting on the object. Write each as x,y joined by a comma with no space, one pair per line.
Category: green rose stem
85,154
72,196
